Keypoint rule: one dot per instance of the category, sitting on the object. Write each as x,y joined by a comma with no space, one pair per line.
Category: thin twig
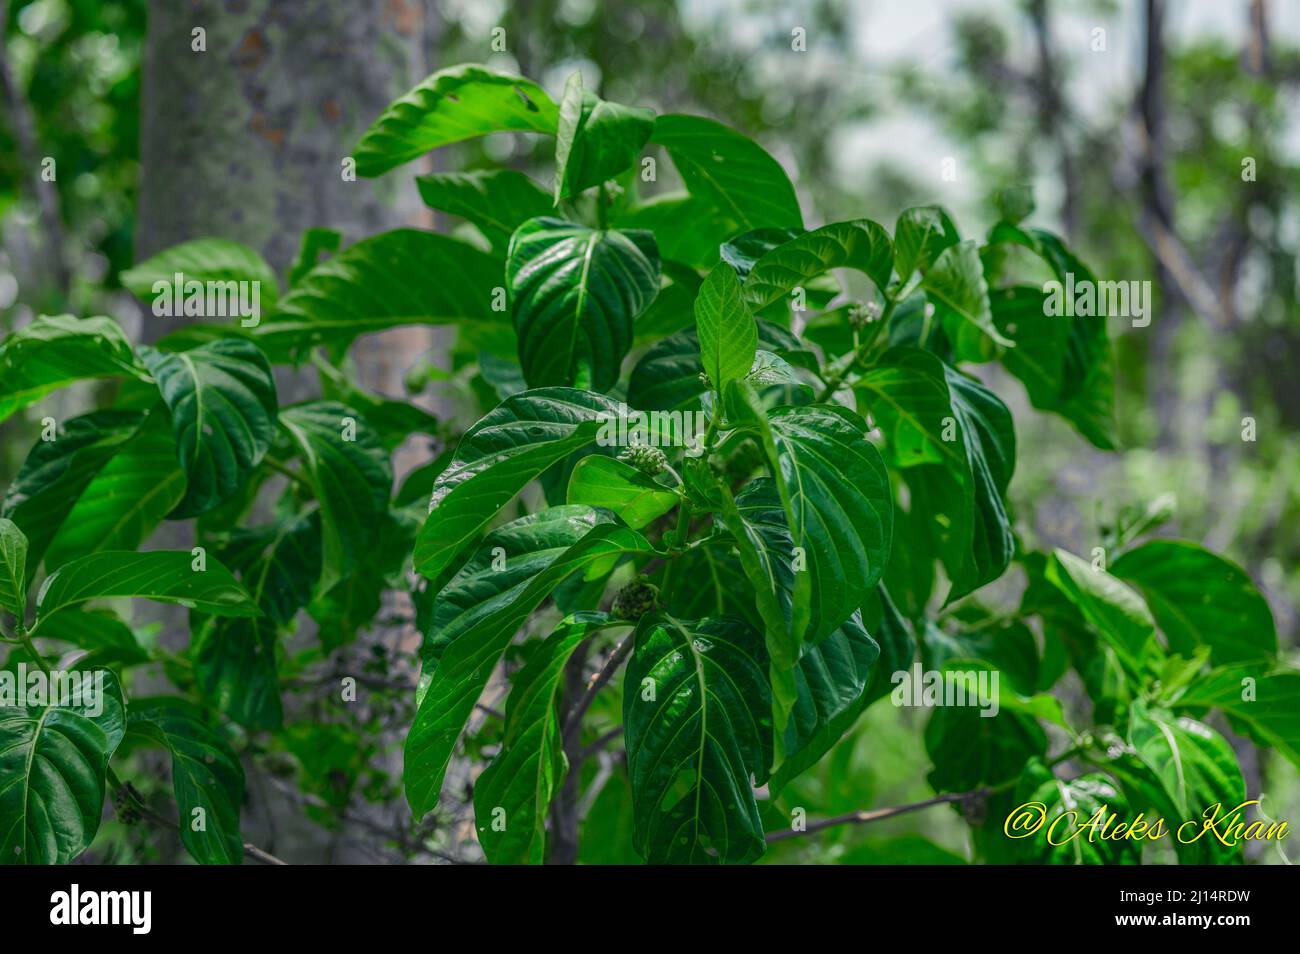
864,817
574,723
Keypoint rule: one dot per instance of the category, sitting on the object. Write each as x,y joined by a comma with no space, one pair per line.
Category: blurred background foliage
1163,140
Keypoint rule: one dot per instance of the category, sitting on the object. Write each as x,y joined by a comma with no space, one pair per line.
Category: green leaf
727,333
108,641
687,229
595,139
1111,606
859,244
955,285
907,391
452,105
510,446
278,563
1195,764
54,351
831,680
402,277
53,759
165,576
13,569
517,788
1080,372
1084,796
696,711
350,475
314,242
970,749
667,378
729,171
203,260
56,472
840,509
990,441
140,485
496,201
1264,700
509,559
920,236
207,779
223,407
1201,599
467,664
236,670
574,294
605,482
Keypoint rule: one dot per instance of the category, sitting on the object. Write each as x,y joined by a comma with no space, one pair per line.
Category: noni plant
724,482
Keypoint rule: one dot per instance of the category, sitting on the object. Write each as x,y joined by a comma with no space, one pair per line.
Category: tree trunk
246,140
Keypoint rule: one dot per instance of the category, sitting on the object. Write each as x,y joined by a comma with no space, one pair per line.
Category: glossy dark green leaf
279,563
831,681
236,670
223,409
452,105
402,277
203,260
58,471
1084,384
859,244
667,378
54,351
513,795
595,140
207,779
510,446
53,760
732,173
990,443
130,495
840,503
697,717
497,201
507,561
467,664
970,749
165,576
574,294
1200,599
350,475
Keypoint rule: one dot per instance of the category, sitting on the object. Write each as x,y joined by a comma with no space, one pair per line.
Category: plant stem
863,817
282,468
573,725
836,378
119,790
25,638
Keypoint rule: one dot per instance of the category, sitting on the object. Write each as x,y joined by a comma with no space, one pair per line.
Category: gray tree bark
246,140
